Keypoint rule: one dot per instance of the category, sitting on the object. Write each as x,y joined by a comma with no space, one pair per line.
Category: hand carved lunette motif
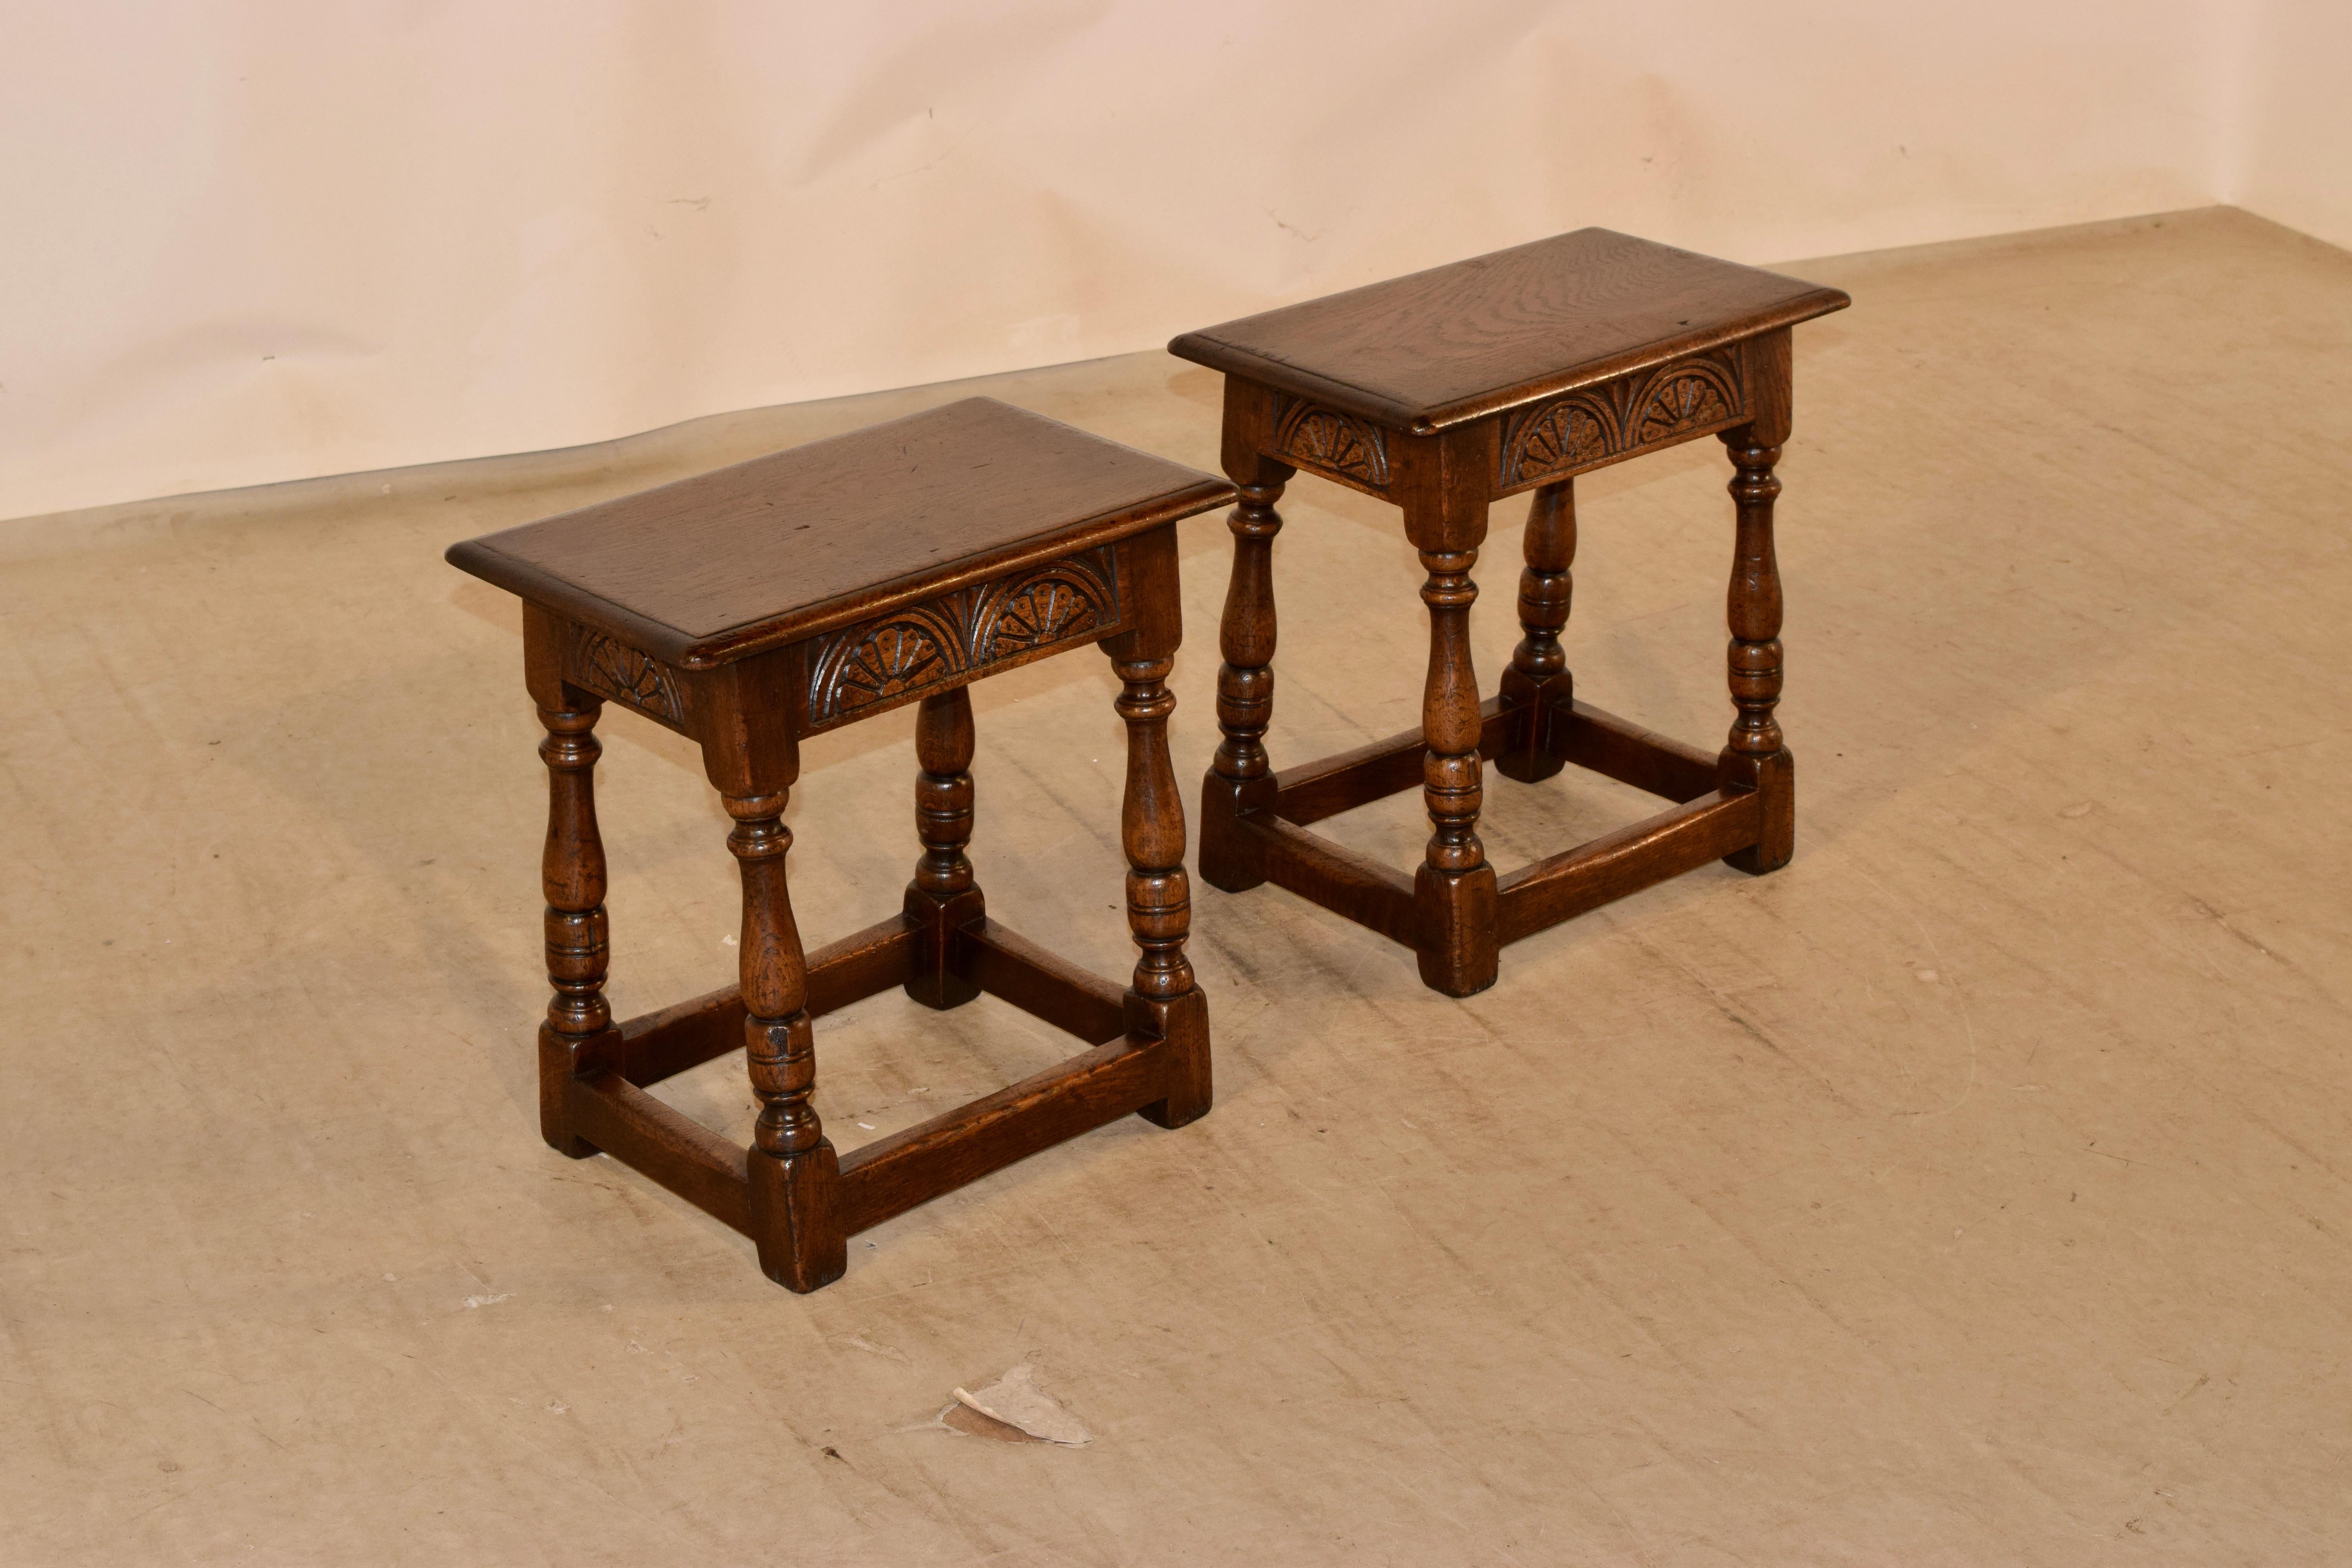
1326,441
886,660
613,669
1600,424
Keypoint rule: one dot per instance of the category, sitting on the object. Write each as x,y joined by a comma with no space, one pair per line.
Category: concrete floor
1975,1190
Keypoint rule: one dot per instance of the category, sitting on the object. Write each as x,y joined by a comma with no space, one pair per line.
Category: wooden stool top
1474,338
714,568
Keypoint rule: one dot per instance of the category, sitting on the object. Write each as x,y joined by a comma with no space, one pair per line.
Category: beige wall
261,239
2290,129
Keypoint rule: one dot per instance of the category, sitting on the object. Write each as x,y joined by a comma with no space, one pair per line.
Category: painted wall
262,239
2290,129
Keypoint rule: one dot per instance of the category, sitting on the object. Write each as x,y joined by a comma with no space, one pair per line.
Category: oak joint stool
1442,393
791,594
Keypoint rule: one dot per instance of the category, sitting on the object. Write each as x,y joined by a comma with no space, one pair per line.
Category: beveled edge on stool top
1474,338
720,565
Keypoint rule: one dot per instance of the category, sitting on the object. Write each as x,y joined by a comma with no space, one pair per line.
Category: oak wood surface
1333,876
929,554
663,1044
1615,864
1312,791
895,1173
675,1039
1622,749
1755,757
1473,338
1537,681
1043,984
664,1143
727,563
1442,393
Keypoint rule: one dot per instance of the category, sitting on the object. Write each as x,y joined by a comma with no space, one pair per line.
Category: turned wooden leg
1241,780
794,1174
1163,1001
1539,679
941,898
1454,888
1755,758
578,1036
1159,900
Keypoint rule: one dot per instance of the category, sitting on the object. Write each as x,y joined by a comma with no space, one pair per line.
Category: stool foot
1776,788
561,1058
1226,861
1183,1022
1458,951
1528,756
931,977
795,1212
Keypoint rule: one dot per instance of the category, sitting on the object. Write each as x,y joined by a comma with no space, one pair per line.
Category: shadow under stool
793,595
1443,392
